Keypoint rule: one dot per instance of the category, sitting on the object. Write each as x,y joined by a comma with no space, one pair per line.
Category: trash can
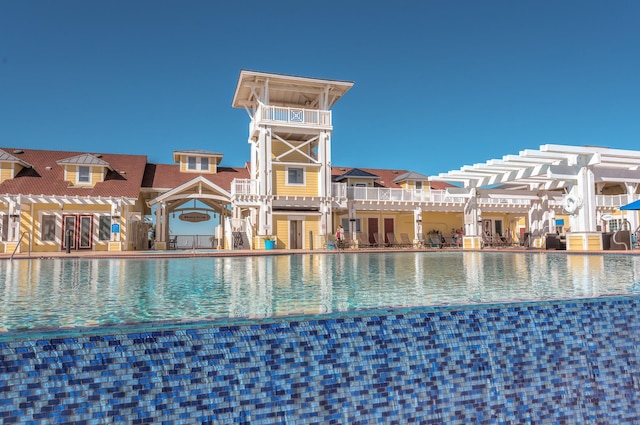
269,244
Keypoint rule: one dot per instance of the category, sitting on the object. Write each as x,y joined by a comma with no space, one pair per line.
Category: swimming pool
63,293
502,338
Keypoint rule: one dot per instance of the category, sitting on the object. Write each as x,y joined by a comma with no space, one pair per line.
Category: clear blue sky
438,84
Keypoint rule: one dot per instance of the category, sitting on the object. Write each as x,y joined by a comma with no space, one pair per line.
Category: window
204,164
614,224
191,163
48,227
419,185
84,175
345,225
104,228
295,176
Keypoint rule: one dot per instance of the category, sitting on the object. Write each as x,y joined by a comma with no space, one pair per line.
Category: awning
635,205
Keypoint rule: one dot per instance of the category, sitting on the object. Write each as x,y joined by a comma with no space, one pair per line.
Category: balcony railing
294,116
612,200
248,187
381,194
244,187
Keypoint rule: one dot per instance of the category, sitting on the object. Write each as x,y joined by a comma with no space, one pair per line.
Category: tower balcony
287,116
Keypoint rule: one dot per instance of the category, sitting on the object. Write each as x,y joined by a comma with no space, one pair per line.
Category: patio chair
487,240
448,242
379,243
434,241
363,241
405,241
346,242
393,242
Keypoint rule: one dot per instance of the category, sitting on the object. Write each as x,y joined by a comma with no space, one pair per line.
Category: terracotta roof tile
168,176
46,177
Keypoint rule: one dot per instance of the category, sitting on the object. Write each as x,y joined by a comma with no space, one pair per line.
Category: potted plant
269,242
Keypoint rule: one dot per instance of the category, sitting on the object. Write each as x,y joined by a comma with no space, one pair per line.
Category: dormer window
85,169
84,175
197,161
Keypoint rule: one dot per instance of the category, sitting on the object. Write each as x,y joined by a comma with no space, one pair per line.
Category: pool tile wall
575,362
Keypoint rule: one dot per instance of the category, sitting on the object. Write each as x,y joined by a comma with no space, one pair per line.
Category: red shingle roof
46,177
167,176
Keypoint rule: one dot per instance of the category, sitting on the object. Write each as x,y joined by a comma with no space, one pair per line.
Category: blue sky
438,84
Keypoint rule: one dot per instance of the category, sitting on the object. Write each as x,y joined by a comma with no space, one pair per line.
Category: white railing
247,187
244,187
504,201
294,116
612,200
442,197
382,194
338,190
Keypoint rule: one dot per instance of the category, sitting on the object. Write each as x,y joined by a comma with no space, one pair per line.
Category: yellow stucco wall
442,221
310,187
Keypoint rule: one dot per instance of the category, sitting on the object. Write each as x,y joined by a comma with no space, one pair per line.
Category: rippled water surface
52,293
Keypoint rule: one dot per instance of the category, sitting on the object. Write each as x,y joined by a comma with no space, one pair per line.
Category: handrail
18,245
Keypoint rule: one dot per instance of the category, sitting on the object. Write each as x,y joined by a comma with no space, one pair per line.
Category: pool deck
179,253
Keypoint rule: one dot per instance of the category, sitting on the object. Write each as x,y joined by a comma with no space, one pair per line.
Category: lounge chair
405,241
379,243
487,240
347,242
363,242
448,242
433,240
393,242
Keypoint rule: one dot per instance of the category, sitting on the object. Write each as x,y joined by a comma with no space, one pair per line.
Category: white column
352,219
584,189
472,215
632,216
417,220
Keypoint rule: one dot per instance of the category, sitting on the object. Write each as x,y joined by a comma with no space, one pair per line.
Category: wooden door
372,227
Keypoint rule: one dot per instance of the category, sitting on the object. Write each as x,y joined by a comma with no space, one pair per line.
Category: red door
388,228
372,227
78,230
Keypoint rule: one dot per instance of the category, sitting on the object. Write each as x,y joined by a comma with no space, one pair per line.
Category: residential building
291,195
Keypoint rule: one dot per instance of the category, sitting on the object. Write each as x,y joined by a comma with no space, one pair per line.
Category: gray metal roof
357,173
7,157
84,159
411,175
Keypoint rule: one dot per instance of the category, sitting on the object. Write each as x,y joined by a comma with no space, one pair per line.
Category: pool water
53,293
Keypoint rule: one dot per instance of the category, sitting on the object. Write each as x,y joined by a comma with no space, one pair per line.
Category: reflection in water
81,292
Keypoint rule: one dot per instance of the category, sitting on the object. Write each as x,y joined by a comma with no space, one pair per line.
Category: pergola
575,173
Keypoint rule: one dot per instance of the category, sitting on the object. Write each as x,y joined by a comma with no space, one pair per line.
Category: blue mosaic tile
543,363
